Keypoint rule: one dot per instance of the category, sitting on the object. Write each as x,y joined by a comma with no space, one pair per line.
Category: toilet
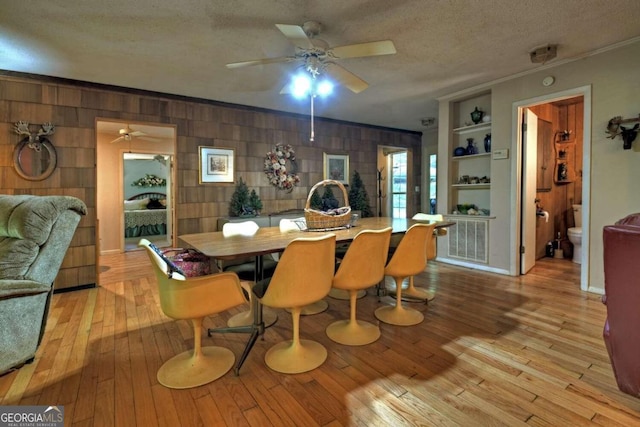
575,234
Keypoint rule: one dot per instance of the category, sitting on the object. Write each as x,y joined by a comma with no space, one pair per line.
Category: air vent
468,240
544,54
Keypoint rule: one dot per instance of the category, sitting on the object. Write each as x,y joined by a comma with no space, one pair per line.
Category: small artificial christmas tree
239,199
358,197
316,201
255,203
329,201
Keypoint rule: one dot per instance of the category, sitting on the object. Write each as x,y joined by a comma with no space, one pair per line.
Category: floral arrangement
276,169
150,181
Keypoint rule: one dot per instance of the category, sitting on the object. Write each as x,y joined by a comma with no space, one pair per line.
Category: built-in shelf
472,186
470,239
470,156
472,128
461,216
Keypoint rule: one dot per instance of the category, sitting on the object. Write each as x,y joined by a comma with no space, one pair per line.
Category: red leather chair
622,298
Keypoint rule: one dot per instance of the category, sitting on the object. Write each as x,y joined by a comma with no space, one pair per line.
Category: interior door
528,195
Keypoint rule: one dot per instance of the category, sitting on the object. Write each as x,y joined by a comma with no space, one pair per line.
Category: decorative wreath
275,166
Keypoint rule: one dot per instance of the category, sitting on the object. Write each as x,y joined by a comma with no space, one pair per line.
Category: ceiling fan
127,134
318,58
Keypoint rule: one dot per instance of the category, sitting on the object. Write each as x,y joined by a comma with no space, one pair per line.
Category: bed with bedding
145,214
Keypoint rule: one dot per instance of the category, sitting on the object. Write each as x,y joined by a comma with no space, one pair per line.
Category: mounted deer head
629,135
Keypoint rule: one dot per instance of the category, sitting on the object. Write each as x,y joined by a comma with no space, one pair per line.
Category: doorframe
517,178
100,186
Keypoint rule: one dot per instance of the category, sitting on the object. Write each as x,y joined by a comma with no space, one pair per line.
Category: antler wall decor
615,128
22,128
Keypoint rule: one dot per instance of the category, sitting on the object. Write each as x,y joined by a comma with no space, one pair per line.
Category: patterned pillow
171,267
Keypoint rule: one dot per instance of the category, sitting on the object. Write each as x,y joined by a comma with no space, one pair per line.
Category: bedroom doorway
146,178
120,145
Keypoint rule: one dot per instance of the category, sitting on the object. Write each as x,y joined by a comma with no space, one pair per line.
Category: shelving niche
469,182
565,158
470,175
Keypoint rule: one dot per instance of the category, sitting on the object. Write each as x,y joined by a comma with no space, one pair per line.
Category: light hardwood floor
492,350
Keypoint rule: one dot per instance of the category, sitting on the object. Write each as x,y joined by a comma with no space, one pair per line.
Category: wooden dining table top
271,239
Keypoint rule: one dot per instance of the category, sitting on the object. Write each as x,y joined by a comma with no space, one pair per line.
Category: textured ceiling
181,47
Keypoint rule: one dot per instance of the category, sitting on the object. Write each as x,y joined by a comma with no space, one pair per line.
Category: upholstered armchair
622,297
35,232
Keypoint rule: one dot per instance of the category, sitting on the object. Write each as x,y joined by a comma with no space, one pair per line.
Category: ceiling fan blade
346,78
137,133
296,35
117,139
286,89
384,47
261,61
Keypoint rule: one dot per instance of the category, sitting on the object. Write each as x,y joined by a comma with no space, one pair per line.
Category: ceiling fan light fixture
301,86
325,88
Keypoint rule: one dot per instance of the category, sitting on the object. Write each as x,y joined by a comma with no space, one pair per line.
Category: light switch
500,154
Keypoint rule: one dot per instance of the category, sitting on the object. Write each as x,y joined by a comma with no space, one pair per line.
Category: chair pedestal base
418,293
287,358
186,371
313,308
413,293
246,318
353,332
399,315
343,294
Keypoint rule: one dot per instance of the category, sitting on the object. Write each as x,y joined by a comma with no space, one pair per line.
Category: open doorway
146,178
135,181
553,178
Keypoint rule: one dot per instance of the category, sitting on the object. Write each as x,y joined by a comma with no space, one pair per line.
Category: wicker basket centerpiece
334,218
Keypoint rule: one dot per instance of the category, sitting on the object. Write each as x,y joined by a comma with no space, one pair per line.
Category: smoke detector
544,53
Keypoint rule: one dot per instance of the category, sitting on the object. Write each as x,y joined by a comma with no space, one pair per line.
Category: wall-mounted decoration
216,164
628,135
336,167
149,180
34,157
275,166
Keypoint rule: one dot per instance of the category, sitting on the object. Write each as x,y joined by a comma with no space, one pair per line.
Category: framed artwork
217,164
336,167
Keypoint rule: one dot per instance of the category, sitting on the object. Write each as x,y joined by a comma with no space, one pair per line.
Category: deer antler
45,129
22,128
613,127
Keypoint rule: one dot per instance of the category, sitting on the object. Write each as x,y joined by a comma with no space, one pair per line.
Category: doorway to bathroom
554,147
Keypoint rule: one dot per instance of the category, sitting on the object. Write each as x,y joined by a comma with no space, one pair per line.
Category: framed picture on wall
217,164
336,167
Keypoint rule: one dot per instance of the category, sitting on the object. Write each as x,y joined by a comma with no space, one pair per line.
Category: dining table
268,240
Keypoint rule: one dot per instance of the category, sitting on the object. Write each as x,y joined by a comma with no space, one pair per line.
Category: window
433,168
399,185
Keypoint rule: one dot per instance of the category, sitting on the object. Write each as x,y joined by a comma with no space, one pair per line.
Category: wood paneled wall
73,109
563,115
